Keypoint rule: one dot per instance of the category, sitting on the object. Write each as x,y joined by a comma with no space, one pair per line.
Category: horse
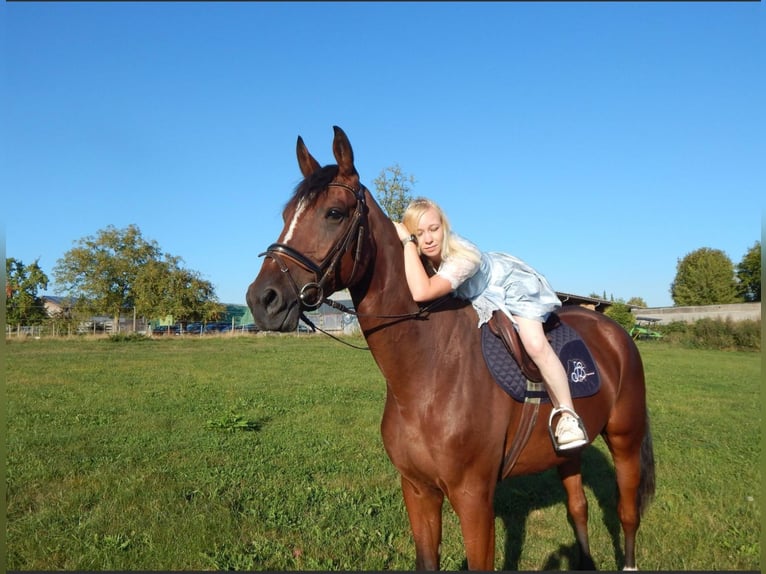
447,427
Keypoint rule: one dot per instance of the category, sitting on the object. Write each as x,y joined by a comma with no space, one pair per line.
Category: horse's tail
646,482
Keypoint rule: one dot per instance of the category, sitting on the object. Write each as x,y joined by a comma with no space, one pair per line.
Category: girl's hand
401,230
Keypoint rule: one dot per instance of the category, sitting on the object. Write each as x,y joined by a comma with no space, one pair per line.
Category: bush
714,334
748,335
127,337
620,312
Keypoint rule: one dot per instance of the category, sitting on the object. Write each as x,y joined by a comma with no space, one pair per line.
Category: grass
264,453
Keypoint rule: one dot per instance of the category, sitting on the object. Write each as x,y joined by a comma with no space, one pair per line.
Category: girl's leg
540,351
569,431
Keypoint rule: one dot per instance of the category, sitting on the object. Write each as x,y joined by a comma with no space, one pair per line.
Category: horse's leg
475,509
424,507
577,506
625,449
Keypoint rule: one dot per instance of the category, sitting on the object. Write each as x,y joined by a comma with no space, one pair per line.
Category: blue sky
600,142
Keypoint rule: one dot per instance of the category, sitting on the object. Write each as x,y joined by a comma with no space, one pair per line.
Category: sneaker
569,434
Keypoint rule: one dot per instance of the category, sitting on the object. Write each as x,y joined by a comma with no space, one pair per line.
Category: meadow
263,453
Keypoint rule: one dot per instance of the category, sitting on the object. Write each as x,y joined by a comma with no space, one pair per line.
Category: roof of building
596,302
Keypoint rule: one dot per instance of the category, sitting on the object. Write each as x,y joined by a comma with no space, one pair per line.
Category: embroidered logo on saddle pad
578,363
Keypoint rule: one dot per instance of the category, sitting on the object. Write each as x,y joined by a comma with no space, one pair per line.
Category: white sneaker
569,434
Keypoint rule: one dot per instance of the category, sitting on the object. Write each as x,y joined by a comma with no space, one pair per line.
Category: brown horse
447,426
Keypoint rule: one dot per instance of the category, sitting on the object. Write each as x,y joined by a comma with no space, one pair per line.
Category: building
732,312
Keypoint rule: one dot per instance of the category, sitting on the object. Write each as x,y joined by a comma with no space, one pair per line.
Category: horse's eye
335,214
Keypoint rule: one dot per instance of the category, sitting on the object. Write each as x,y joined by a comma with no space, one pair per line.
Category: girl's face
430,234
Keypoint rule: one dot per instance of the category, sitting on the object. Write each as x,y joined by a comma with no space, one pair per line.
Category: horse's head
321,247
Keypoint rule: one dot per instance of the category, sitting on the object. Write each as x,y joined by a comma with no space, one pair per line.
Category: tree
165,288
749,274
102,270
637,302
393,191
23,306
595,295
704,277
152,292
118,269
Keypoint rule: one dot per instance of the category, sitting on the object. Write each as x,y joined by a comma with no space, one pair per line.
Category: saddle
502,326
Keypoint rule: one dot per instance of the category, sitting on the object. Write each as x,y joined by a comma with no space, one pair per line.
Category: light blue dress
500,282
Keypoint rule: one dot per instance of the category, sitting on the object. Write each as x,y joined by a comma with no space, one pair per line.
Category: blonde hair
452,246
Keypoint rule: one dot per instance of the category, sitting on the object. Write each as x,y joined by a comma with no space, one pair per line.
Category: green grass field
264,453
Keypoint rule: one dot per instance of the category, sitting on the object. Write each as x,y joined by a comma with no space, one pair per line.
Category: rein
311,295
421,313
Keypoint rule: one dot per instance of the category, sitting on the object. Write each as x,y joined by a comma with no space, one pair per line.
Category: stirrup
574,446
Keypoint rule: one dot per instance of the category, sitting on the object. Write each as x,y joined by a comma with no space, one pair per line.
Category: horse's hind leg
577,506
627,465
424,507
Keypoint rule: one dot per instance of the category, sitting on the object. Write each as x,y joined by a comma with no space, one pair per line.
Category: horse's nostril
263,301
269,298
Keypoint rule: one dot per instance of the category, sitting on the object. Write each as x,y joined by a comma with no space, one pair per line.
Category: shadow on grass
517,497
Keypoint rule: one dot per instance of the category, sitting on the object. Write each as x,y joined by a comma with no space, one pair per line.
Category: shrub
127,337
714,334
620,312
748,335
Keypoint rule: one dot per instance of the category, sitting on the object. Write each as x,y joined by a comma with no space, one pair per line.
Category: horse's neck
403,347
384,290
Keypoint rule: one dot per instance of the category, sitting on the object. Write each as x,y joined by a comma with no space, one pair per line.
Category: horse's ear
344,155
306,161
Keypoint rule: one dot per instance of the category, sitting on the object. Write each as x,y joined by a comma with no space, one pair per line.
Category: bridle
311,295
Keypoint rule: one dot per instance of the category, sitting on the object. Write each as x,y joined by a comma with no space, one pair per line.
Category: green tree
100,270
166,288
637,302
749,274
23,305
601,296
393,191
620,312
117,269
704,277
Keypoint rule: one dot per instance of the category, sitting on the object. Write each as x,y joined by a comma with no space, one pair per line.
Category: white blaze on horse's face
294,223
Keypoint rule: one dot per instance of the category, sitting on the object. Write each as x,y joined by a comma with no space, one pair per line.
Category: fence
58,329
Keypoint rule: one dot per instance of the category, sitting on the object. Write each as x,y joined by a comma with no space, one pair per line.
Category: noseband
311,295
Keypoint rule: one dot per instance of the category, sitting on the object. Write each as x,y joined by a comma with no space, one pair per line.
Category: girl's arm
422,287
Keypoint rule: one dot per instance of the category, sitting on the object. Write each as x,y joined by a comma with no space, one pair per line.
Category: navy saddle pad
581,370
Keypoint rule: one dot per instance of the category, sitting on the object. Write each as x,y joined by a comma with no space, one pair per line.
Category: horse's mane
309,189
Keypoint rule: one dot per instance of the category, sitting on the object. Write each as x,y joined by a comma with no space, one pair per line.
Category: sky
599,142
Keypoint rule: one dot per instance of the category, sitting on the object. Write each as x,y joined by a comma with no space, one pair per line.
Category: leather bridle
311,295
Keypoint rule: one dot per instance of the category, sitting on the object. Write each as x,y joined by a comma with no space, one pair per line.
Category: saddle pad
581,370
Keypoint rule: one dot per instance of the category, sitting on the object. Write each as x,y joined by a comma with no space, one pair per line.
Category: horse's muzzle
273,308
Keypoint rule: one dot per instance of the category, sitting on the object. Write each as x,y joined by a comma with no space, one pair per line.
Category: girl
491,281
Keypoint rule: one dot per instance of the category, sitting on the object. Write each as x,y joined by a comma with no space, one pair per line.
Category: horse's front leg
424,507
475,509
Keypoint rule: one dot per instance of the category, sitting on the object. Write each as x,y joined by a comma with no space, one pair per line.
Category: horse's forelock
309,189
